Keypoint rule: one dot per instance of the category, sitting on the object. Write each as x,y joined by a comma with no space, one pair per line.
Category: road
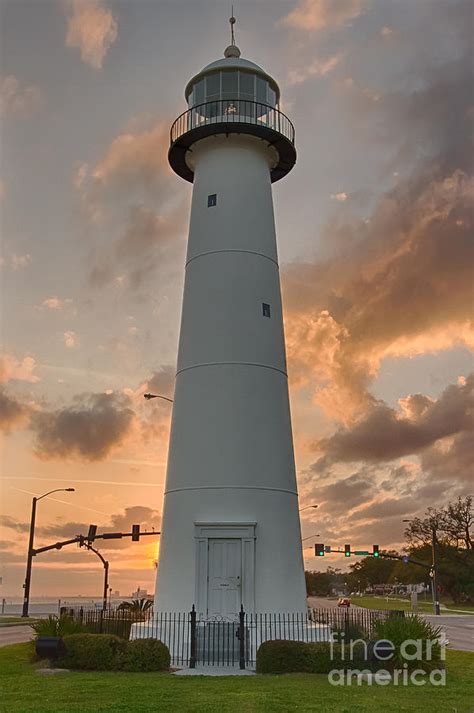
15,634
459,629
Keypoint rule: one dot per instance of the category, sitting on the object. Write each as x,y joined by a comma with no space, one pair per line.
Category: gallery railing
232,111
195,640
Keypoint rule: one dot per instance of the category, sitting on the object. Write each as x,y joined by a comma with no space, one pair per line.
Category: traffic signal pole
82,541
434,573
106,573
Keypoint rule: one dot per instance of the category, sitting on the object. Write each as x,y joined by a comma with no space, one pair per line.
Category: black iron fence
231,111
195,640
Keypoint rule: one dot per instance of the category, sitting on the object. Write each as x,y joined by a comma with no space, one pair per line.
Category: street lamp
309,537
29,562
156,396
434,569
308,506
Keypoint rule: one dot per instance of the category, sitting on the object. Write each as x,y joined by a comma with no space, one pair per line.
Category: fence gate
218,640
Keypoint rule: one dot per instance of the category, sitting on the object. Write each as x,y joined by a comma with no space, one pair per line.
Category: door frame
243,531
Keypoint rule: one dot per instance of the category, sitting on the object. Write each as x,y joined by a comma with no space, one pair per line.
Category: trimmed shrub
54,626
281,656
145,655
304,657
93,652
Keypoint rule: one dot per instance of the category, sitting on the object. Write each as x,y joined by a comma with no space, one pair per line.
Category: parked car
343,602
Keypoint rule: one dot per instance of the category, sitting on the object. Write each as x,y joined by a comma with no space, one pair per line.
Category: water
44,607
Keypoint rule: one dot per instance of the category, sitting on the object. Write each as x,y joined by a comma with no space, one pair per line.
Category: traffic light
92,533
347,550
319,550
375,551
135,533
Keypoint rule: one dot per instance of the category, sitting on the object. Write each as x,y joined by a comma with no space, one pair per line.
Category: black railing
230,641
232,111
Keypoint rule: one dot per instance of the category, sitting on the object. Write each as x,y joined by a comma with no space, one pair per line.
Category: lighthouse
231,530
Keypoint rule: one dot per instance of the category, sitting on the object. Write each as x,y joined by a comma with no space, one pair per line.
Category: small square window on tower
266,309
212,200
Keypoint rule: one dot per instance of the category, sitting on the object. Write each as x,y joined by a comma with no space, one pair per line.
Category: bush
146,655
93,652
410,628
304,657
54,626
282,656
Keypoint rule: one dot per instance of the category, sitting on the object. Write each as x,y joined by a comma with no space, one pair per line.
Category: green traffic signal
375,551
347,550
319,550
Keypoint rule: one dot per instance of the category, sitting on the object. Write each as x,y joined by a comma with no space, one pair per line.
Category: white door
224,577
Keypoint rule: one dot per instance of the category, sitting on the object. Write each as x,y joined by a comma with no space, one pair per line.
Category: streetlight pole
29,561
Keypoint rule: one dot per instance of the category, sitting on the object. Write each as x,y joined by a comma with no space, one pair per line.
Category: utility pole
29,561
434,571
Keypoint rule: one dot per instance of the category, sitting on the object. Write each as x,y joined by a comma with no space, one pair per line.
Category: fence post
101,618
242,637
192,657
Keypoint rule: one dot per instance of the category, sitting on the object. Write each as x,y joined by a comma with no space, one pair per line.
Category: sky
374,229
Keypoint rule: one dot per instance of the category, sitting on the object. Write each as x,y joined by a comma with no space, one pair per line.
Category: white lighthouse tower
231,530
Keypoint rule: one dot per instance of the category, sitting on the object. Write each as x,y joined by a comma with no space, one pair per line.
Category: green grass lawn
426,607
16,621
25,691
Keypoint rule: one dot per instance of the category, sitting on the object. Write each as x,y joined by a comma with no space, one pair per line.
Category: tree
321,584
452,524
371,570
136,606
451,529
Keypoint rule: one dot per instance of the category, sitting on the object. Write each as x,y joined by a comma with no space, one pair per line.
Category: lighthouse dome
232,77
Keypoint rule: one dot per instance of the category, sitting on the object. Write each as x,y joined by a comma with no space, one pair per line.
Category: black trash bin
50,647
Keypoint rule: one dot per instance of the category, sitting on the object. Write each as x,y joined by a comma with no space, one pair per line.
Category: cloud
322,14
13,369
148,518
92,28
340,197
411,262
20,261
13,413
133,160
56,303
384,434
132,186
13,524
317,68
398,282
70,339
18,100
88,430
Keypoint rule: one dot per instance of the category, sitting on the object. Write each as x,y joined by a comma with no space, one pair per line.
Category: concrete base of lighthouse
219,560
